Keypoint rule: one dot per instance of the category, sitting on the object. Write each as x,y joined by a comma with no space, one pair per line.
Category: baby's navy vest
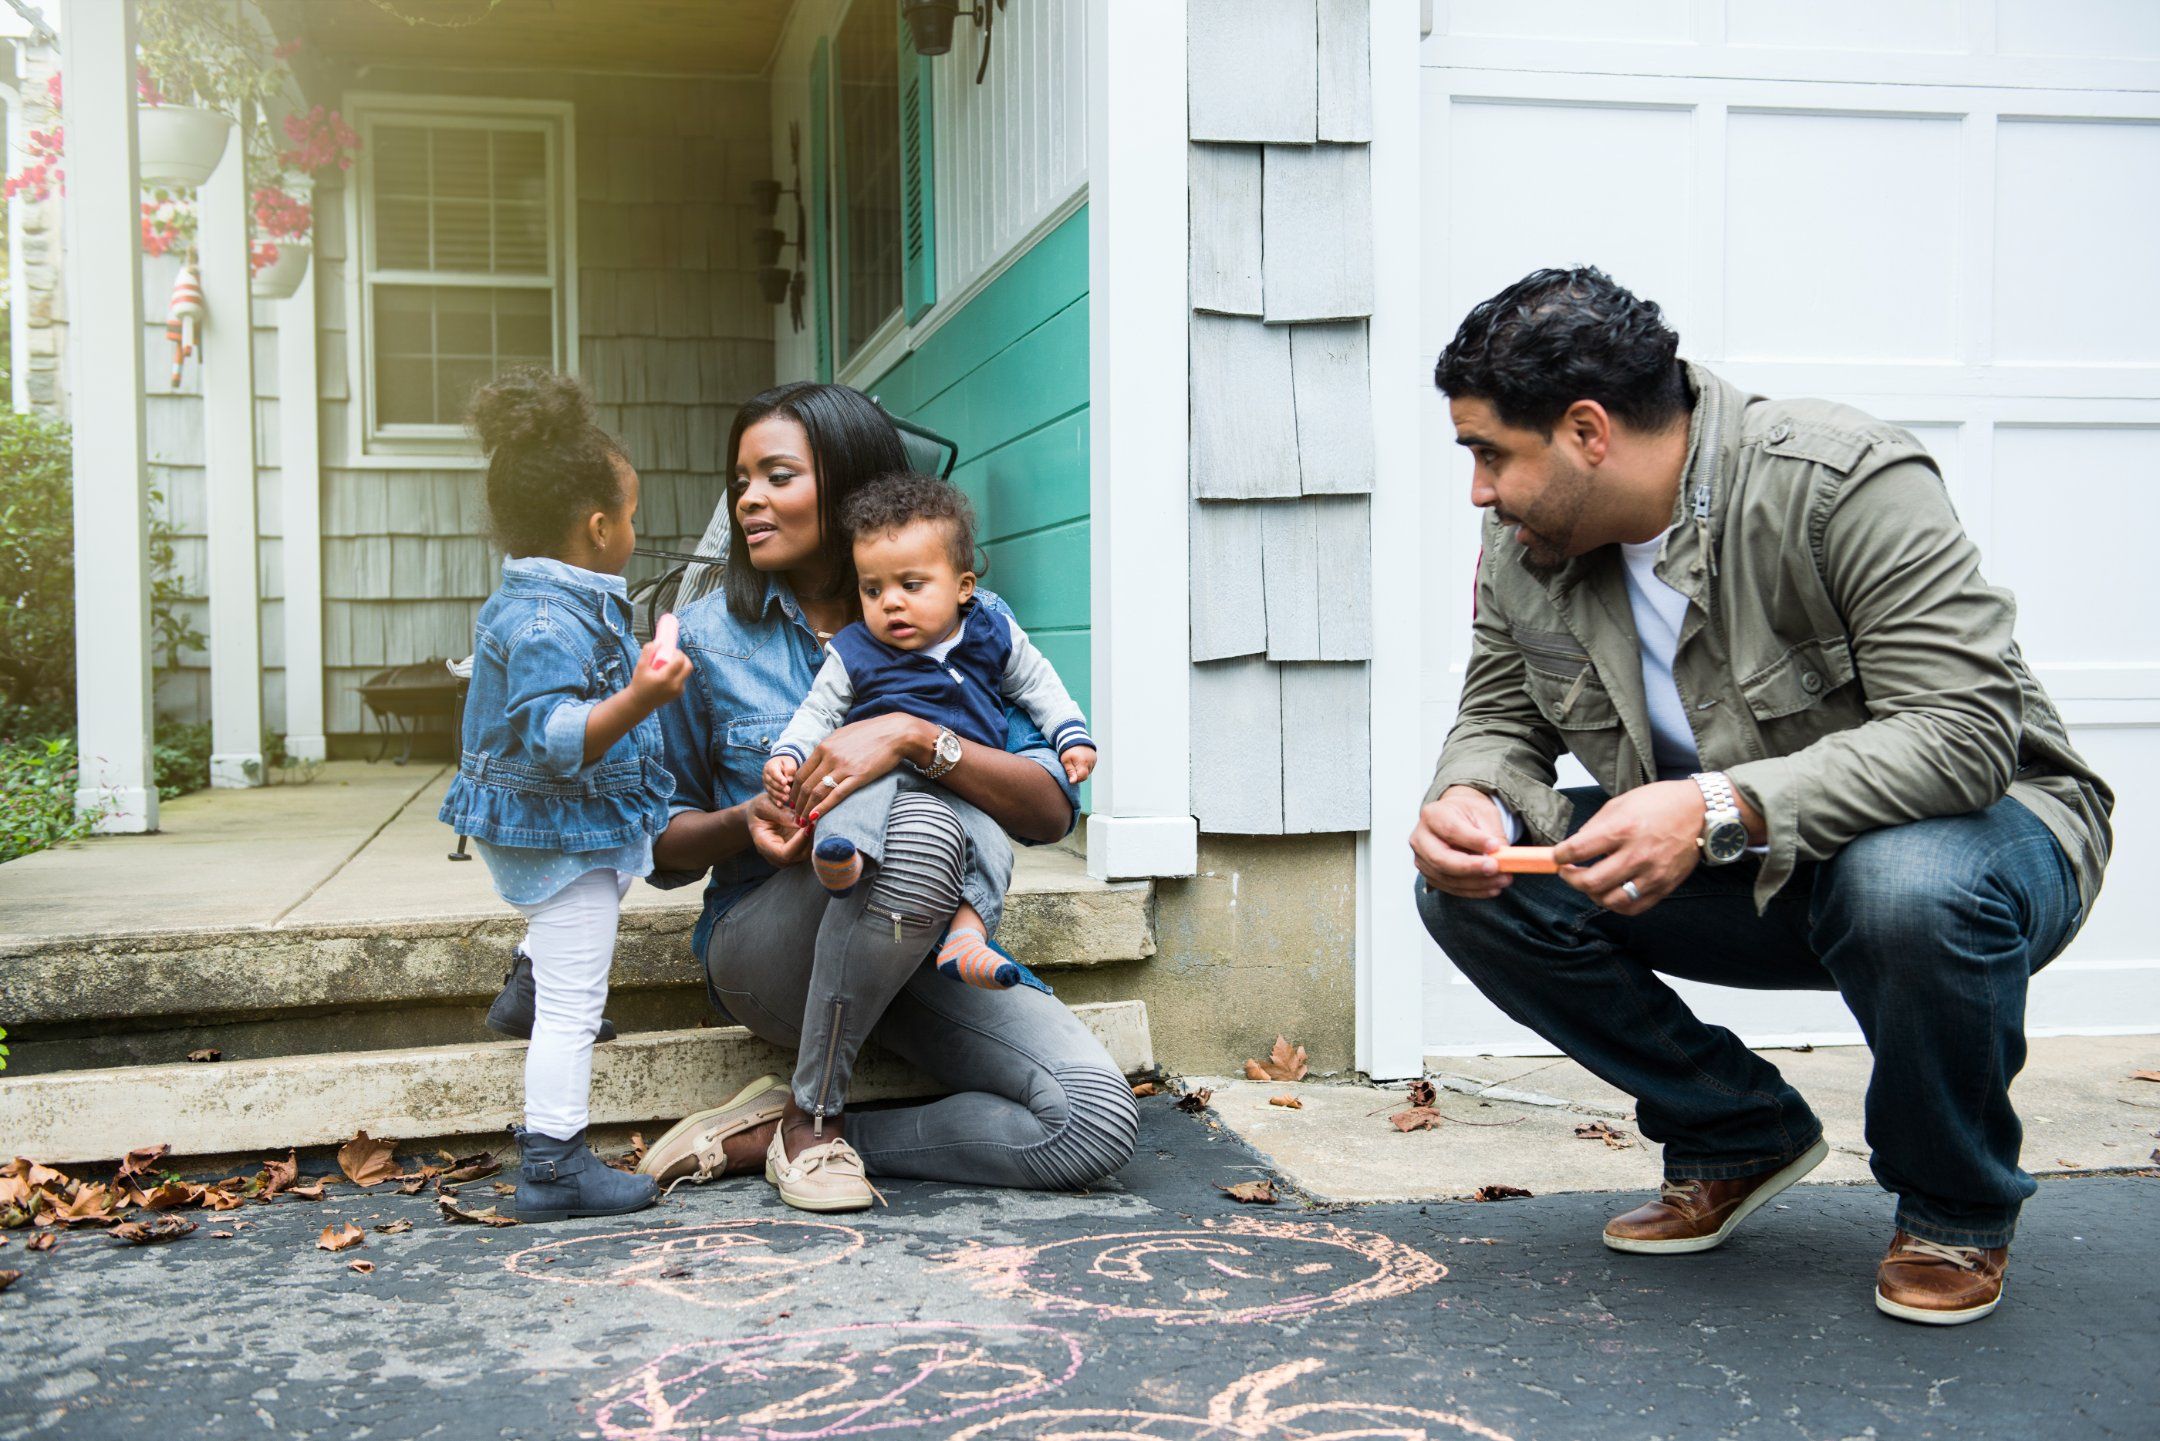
961,693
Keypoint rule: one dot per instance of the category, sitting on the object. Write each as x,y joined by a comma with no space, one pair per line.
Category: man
1822,763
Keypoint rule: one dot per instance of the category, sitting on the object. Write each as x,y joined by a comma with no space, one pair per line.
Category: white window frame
439,445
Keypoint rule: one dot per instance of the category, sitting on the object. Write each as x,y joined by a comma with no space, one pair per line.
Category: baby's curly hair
901,498
549,464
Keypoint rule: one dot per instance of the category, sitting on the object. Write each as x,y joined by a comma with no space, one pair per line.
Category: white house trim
104,277
18,336
300,490
1138,442
228,381
1390,957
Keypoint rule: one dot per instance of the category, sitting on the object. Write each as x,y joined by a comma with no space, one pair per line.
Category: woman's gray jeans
1037,1100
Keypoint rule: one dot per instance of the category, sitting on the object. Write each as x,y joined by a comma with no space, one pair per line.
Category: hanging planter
280,276
180,144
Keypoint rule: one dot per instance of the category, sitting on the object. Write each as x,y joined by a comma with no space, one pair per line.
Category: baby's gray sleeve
822,712
1032,684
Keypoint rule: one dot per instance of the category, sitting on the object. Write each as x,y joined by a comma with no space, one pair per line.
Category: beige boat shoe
691,1148
826,1177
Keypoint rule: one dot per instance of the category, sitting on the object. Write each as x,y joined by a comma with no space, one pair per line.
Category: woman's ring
1632,893
830,781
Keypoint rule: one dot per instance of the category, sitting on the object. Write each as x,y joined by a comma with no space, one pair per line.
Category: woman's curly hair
549,464
1558,336
901,498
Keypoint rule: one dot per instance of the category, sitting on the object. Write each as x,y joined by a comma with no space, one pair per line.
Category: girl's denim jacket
551,643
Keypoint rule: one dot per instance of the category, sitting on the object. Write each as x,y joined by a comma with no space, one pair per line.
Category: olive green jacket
1842,659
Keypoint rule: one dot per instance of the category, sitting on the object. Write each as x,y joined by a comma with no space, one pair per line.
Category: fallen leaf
42,1241
1192,1103
394,1228
413,1185
171,1195
2067,1165
207,1053
367,1162
1252,1193
1416,1118
1145,1089
277,1175
139,1161
365,1268
149,1233
2145,1075
217,1198
312,1191
1284,1063
222,1235
1614,1138
1288,1103
452,1211
1498,1193
340,1238
1422,1092
475,1167
9,1278
92,1204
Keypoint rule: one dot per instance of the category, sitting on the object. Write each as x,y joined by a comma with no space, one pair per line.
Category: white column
1142,653
300,477
1392,945
112,545
18,278
228,380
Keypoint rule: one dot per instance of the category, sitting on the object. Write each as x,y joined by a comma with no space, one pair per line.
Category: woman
1037,1101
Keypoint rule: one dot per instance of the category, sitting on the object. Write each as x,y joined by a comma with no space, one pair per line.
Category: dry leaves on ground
2145,1075
503,1188
452,1211
368,1162
457,1170
151,1232
340,1238
139,1162
9,1278
1284,1063
207,1053
1422,1092
627,1161
1287,1102
1498,1193
1252,1193
1145,1089
277,1176
42,1241
1192,1103
365,1268
1613,1137
1417,1118
395,1228
412,1183
312,1191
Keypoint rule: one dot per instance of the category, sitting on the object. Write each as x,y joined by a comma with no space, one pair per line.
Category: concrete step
423,1092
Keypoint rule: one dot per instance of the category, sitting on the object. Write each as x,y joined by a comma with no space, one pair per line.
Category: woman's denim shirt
746,680
551,643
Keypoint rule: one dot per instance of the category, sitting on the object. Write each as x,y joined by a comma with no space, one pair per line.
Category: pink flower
52,91
146,87
289,49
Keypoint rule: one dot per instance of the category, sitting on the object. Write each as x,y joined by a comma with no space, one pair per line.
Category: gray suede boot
512,1013
562,1179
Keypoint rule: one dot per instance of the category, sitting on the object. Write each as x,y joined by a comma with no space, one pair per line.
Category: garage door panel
1860,207
1908,25
2076,508
2112,29
1641,22
2075,241
1509,160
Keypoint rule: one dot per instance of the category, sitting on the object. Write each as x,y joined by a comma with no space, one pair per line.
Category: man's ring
1632,893
830,781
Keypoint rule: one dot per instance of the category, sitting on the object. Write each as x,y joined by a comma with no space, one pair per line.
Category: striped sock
970,956
838,865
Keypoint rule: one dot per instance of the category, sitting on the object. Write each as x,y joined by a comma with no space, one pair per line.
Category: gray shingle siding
1282,457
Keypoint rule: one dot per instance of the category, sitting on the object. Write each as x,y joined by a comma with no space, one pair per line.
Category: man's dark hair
1558,336
900,498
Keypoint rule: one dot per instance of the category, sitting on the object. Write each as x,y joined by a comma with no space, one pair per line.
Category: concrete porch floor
358,844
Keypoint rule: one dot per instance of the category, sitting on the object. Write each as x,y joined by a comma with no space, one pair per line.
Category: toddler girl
560,781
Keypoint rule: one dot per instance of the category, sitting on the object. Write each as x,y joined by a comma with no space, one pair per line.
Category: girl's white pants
571,939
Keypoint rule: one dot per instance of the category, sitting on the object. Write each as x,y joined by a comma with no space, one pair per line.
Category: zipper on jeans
832,1049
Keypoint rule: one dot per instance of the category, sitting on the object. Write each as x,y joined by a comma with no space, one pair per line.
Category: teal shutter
918,217
820,249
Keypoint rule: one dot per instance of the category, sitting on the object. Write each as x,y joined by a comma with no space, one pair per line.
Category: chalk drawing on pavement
1241,1269
836,1381
729,1264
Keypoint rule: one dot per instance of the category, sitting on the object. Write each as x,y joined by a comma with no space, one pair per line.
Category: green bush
37,572
37,796
180,759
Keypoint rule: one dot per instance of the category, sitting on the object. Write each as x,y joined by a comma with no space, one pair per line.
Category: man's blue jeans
1931,932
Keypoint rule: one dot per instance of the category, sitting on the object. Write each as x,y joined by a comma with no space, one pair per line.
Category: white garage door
1946,212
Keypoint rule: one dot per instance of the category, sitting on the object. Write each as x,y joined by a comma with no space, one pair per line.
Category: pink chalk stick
665,632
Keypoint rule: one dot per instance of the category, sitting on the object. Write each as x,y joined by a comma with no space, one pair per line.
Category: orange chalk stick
1526,861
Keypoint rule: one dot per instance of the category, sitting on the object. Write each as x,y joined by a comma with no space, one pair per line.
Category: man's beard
1553,521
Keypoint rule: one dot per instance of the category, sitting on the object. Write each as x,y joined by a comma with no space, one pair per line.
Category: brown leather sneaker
691,1148
1939,1285
1697,1215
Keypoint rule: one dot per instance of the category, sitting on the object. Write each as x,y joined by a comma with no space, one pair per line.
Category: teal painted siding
1007,378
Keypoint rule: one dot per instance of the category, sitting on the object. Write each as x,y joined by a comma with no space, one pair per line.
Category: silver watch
944,755
1724,838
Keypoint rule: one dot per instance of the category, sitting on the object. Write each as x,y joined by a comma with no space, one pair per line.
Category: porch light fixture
930,25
